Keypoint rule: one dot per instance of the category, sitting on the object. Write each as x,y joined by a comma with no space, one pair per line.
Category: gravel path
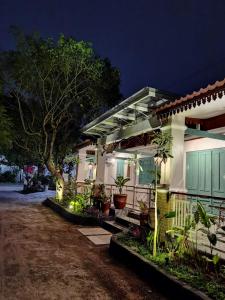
44,257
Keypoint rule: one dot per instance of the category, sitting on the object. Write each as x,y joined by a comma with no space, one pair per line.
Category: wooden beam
100,128
194,121
136,152
109,122
91,132
130,131
205,134
139,107
214,122
130,117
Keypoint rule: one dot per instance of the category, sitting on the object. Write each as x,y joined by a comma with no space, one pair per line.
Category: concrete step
221,232
127,221
134,214
113,226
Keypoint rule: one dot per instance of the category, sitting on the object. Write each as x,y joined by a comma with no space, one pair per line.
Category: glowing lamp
113,160
90,166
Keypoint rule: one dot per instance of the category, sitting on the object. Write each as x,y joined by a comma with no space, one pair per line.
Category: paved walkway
44,257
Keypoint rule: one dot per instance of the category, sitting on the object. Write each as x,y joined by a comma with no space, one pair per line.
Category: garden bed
79,219
174,287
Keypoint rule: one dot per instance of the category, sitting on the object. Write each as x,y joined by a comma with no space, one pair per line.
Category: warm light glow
158,160
90,166
59,192
113,160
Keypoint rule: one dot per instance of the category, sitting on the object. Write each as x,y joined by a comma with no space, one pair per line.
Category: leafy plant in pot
120,199
144,215
105,202
45,181
105,205
97,191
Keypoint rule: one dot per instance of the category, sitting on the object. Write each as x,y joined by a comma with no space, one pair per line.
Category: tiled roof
192,100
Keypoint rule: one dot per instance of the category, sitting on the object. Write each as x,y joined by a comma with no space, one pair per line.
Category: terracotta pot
144,217
106,208
97,203
120,200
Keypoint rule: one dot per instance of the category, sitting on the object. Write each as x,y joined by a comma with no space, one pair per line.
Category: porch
134,194
197,169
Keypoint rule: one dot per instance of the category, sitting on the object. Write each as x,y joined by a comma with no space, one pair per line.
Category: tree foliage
54,88
5,126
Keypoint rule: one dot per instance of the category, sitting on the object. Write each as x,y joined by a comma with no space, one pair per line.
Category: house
197,125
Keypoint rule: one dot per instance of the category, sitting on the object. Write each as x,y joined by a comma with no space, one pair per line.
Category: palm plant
163,142
120,182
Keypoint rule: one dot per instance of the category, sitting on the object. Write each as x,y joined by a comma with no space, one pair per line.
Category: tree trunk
59,188
59,179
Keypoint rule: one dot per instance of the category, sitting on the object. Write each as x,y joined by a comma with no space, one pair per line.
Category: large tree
55,87
5,130
5,125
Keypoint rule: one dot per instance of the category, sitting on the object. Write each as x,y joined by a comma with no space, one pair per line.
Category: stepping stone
100,239
93,231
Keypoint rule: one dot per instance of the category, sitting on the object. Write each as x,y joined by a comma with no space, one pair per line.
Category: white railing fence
134,194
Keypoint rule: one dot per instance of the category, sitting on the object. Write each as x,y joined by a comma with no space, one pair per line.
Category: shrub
8,177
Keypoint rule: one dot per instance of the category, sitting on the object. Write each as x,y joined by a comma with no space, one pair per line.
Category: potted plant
104,201
45,181
96,194
105,205
144,215
120,199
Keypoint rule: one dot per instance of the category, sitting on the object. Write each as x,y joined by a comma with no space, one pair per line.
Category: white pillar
82,170
173,172
101,161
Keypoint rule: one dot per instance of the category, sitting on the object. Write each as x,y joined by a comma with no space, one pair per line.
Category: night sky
175,45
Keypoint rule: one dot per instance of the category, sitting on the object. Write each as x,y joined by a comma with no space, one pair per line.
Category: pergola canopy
135,112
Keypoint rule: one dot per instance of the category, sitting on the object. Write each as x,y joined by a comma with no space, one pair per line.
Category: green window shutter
206,176
120,167
218,173
198,178
205,173
192,172
145,175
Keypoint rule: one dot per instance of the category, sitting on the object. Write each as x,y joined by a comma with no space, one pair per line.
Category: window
146,175
120,167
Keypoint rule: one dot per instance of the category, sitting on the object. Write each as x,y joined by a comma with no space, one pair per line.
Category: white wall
83,165
111,169
203,144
